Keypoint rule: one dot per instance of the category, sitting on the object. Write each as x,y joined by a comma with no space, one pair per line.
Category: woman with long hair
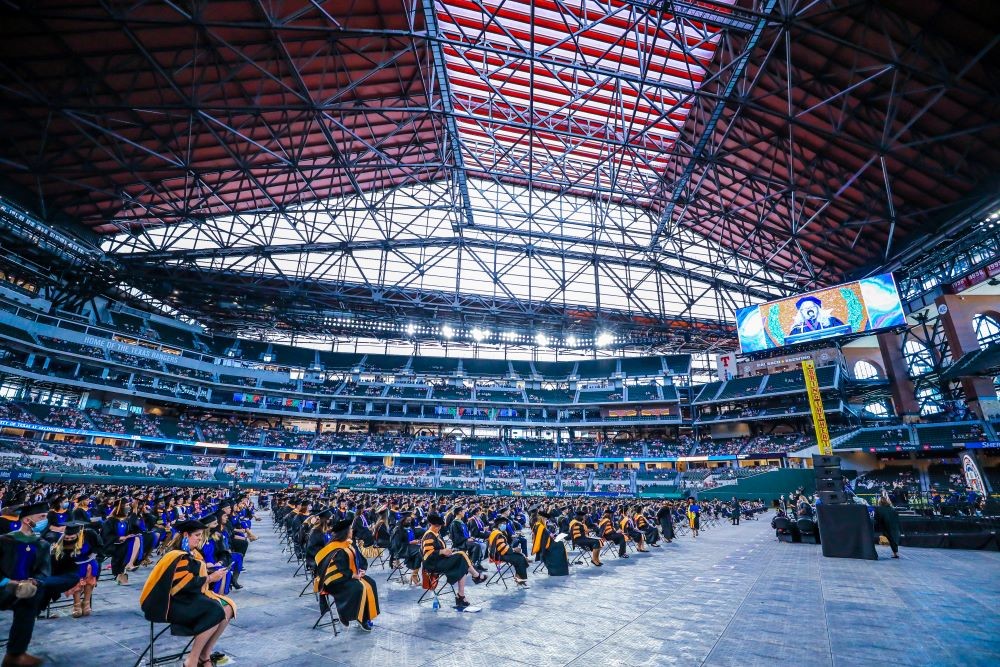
119,539
177,592
76,551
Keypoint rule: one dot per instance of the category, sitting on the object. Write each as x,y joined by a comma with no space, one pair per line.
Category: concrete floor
734,596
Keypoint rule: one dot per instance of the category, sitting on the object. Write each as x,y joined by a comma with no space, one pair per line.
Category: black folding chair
176,631
327,619
504,571
433,587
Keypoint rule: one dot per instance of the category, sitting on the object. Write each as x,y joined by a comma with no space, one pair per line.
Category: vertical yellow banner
816,407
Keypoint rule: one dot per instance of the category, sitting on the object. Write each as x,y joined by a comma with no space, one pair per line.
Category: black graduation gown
177,592
453,567
500,549
119,551
665,518
382,535
400,547
887,522
356,599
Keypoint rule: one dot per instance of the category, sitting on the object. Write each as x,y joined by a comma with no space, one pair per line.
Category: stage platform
734,596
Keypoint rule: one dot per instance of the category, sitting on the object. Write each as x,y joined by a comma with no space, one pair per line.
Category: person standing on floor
887,522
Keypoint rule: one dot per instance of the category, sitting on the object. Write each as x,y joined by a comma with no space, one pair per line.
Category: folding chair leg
321,622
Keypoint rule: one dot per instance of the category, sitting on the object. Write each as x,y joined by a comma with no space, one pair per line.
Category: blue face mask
65,506
41,526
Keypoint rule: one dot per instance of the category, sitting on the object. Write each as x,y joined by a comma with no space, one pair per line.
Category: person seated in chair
606,529
217,556
462,540
24,562
649,532
500,549
439,559
340,572
578,533
381,531
319,536
75,554
177,592
628,529
404,545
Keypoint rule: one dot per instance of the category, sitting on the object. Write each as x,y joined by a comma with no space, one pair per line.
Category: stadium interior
529,260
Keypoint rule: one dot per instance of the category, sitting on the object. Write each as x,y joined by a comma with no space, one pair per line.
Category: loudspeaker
829,472
828,485
821,460
831,498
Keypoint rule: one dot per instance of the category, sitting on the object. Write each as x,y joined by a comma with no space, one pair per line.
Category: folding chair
310,586
430,582
540,566
504,571
610,548
62,603
581,556
175,631
322,622
401,569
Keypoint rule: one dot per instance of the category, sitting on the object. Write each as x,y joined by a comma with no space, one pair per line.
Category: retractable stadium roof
551,163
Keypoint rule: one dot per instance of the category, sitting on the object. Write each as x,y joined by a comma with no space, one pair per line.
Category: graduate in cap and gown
24,563
439,559
217,556
76,552
405,545
606,529
122,542
500,550
340,572
578,533
178,592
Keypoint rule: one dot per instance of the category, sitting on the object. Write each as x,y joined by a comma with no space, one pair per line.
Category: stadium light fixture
479,335
411,329
604,339
508,336
447,331
541,339
571,341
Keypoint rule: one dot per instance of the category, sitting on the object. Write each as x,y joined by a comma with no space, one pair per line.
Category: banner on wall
816,408
973,479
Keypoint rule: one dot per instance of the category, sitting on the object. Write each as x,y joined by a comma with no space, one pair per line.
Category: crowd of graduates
56,540
424,539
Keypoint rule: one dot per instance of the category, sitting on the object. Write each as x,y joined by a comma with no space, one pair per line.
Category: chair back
806,526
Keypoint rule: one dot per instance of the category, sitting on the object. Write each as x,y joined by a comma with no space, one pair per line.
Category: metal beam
444,90
193,255
709,130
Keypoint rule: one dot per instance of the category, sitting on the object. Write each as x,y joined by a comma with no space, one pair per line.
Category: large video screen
865,305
